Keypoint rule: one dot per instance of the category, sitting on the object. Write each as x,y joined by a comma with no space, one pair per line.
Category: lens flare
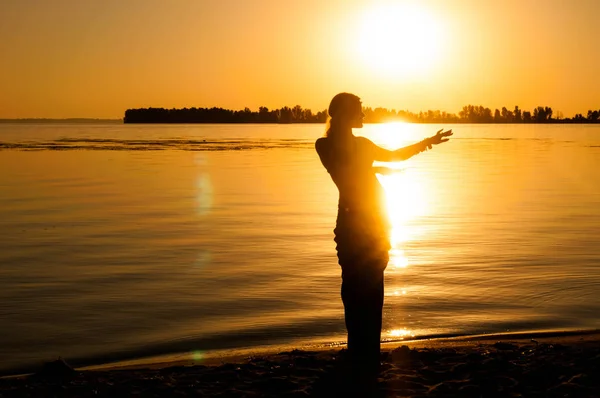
198,356
203,259
205,194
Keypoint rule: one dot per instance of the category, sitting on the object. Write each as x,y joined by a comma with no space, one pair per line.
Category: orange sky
93,58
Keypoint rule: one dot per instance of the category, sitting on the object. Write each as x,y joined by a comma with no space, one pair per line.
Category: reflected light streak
397,259
406,201
400,333
405,192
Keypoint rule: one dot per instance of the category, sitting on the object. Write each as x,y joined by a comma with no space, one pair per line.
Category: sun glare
399,40
406,200
402,333
406,189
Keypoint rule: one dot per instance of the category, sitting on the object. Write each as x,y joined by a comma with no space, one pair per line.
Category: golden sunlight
399,40
407,191
406,200
402,333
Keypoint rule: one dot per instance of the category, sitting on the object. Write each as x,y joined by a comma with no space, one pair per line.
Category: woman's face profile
356,116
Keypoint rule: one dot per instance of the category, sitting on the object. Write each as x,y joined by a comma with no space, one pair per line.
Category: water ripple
111,144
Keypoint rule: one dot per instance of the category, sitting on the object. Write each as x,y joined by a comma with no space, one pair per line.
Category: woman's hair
340,108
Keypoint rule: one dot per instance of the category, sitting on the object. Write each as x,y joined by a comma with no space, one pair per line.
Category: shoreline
552,363
238,355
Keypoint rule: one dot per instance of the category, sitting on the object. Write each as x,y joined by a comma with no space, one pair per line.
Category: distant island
297,114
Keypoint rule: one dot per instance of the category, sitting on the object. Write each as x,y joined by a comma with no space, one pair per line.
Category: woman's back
362,228
350,164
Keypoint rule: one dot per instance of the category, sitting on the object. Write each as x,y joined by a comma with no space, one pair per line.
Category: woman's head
345,112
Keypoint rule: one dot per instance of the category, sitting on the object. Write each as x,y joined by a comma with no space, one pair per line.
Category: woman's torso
362,227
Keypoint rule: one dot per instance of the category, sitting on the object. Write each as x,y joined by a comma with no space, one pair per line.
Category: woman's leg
362,295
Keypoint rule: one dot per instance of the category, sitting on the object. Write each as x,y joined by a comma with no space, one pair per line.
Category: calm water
121,241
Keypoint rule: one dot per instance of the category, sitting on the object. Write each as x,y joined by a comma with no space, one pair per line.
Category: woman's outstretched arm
386,155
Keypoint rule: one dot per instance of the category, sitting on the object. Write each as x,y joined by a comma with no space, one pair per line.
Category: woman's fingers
439,137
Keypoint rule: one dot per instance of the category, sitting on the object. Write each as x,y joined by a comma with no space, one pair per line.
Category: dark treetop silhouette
362,230
468,114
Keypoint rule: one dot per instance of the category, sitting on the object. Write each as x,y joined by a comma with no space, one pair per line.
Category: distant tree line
74,120
219,115
468,114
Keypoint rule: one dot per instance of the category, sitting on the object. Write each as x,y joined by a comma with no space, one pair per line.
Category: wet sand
520,365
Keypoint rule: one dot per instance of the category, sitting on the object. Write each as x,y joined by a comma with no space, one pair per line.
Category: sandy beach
550,365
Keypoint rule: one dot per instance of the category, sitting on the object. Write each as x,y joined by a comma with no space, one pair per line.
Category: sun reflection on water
406,194
394,135
401,333
405,187
398,259
408,200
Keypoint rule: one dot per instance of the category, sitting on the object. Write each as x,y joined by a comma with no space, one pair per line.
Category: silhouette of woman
362,229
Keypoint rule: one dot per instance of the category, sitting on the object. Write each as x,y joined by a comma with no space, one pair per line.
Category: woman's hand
438,138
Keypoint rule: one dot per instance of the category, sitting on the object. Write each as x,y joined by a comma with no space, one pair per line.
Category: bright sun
399,40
